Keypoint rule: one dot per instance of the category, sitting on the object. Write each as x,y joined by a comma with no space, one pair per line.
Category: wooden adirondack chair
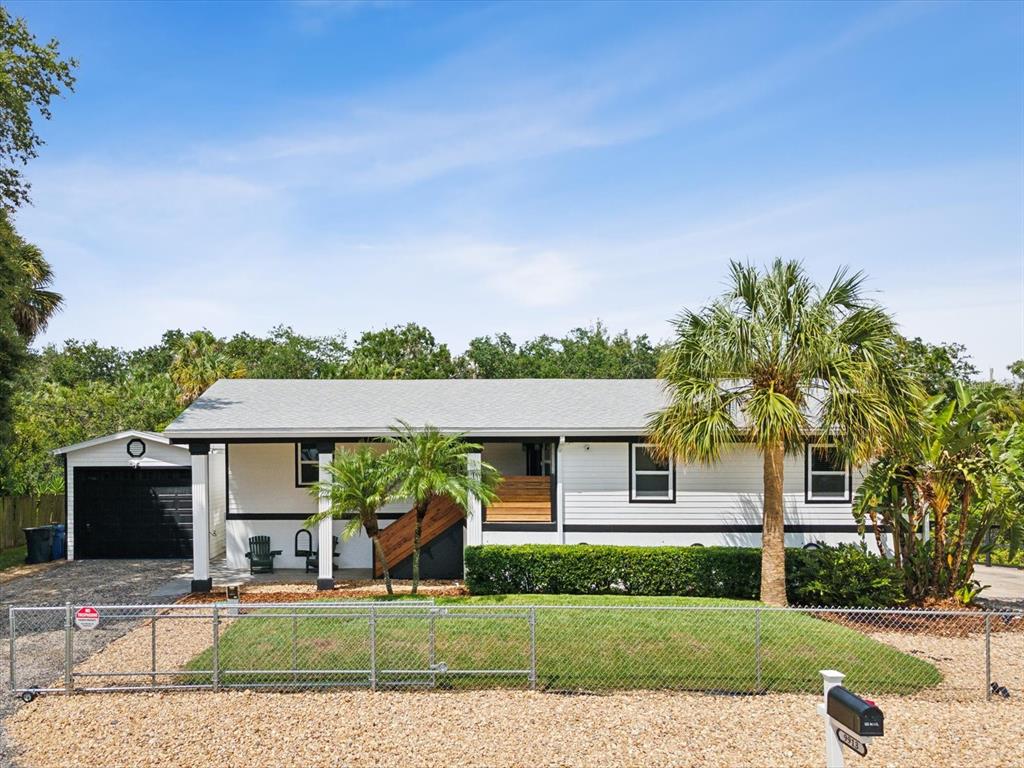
260,555
311,555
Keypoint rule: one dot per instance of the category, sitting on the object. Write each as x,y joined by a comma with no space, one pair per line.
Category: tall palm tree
358,487
199,361
429,464
775,361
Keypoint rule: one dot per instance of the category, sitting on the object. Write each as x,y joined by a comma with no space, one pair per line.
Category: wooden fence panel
17,512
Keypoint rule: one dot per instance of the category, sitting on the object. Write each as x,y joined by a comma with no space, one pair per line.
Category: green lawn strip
12,557
590,643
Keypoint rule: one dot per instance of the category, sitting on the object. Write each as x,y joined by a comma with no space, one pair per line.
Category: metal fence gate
280,646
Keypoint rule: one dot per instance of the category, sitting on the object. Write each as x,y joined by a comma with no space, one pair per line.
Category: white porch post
324,535
474,520
559,492
201,581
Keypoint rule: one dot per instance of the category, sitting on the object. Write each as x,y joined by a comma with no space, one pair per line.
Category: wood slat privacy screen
396,539
522,499
17,512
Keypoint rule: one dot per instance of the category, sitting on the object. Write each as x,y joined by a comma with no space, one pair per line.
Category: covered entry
132,513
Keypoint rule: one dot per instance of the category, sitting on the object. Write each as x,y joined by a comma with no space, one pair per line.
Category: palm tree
37,303
777,360
359,484
429,464
33,302
199,361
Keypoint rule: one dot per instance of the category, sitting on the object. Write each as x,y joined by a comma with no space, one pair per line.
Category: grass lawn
626,644
12,557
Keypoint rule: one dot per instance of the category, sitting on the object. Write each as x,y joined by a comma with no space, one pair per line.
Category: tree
26,304
36,303
13,348
48,415
583,353
427,465
284,354
494,357
775,361
77,362
359,486
31,76
959,470
199,361
937,366
1016,369
403,352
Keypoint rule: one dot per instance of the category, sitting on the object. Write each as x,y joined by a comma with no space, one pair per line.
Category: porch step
396,539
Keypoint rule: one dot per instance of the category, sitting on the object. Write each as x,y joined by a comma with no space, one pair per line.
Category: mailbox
854,713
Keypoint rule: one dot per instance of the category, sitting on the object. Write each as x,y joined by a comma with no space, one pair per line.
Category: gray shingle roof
337,408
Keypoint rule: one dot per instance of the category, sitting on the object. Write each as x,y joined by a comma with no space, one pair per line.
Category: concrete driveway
1005,585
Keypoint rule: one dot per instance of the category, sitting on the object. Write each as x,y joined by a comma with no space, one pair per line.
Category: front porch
268,491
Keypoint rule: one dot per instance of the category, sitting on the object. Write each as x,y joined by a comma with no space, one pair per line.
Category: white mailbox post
850,721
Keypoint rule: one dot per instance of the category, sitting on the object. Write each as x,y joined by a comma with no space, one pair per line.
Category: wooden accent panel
396,539
522,499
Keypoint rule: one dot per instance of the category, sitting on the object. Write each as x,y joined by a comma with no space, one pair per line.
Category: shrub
845,575
831,576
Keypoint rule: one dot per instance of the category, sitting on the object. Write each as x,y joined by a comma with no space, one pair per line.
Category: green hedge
844,575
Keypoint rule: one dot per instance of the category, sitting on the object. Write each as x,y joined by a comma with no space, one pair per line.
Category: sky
527,168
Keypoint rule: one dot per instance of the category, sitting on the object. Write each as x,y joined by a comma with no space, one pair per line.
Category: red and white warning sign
87,617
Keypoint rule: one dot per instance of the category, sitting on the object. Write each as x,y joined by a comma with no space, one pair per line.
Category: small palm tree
199,361
429,464
35,303
775,361
358,487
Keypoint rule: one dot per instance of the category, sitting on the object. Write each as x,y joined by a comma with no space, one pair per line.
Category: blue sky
527,168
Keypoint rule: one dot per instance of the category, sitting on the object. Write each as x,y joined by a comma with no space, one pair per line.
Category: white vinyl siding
596,484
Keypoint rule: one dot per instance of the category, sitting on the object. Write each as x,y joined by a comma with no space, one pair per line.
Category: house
572,453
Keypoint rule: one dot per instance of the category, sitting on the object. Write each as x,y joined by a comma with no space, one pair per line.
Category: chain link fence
720,649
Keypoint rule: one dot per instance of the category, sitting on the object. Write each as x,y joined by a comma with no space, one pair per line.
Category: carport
129,495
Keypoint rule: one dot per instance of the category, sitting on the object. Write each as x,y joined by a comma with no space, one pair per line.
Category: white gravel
492,728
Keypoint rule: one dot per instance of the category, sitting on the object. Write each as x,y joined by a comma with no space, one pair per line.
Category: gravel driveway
81,581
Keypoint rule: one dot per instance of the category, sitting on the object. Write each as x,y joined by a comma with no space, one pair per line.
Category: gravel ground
40,643
492,728
962,661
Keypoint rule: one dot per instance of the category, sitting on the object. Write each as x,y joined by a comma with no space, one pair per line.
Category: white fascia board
142,435
293,434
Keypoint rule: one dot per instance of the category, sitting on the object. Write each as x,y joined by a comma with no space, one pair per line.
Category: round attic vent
136,448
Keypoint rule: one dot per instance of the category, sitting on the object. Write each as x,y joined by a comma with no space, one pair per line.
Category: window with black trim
650,479
828,474
307,464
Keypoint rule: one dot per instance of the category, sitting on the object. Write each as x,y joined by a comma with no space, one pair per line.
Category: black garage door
124,512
